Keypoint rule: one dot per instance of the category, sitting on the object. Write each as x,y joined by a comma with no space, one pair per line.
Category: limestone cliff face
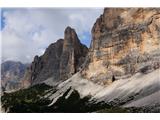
124,41
60,60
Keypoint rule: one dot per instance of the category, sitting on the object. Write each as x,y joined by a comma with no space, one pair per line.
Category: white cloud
28,32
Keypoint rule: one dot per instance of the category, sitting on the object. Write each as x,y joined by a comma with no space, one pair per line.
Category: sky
28,32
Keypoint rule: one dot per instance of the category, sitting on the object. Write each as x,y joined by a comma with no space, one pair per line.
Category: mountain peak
68,28
70,36
60,60
69,31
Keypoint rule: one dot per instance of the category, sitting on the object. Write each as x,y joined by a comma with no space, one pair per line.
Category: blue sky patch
2,20
85,38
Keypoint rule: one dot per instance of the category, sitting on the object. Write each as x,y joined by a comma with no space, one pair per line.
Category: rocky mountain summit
120,72
60,61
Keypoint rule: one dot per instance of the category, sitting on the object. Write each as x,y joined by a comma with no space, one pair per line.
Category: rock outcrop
11,74
73,54
124,42
60,61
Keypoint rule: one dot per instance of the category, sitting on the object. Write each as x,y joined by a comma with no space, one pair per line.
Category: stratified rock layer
60,61
124,42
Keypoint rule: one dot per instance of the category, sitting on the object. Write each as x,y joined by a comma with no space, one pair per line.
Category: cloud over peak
27,32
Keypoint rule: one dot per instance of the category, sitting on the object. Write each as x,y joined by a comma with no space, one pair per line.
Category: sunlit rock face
124,42
60,61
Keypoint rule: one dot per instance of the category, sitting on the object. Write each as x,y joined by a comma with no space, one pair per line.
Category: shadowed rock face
60,60
73,55
124,41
